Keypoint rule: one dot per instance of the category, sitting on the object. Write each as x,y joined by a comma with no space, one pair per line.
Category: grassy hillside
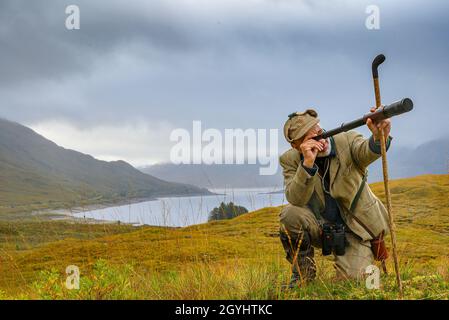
233,259
36,173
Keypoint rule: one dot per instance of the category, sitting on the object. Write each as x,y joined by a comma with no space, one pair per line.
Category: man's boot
304,268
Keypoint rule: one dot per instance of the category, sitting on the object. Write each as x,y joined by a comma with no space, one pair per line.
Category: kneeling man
331,206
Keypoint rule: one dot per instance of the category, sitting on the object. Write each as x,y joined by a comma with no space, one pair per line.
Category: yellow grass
240,258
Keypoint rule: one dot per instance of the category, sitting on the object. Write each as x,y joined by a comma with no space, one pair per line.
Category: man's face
316,130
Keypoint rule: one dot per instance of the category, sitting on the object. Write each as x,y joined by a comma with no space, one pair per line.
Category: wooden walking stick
376,62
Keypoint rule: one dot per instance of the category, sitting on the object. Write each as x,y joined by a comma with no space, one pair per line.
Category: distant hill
35,171
428,158
215,175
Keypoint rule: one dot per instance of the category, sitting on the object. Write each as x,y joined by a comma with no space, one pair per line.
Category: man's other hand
310,148
376,127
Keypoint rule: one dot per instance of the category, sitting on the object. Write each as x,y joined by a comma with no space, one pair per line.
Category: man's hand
310,148
376,127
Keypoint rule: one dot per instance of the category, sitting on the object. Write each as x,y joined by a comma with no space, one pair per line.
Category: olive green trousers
295,220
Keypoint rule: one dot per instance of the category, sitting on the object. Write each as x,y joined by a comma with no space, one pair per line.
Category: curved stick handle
376,63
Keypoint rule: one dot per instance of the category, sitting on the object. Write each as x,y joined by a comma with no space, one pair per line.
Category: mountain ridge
34,170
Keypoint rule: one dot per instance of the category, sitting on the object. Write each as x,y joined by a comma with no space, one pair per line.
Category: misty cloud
137,141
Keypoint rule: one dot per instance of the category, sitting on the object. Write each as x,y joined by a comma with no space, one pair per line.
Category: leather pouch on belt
379,249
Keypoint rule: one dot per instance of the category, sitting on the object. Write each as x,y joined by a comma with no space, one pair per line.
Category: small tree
226,211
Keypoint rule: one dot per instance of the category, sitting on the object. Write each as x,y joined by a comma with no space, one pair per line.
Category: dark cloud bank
227,63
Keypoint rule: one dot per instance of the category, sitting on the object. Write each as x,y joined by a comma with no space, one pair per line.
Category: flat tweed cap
299,123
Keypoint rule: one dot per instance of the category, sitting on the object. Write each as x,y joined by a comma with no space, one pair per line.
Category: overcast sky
138,69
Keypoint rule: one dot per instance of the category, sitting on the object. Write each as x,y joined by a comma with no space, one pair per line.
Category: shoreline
75,214
64,214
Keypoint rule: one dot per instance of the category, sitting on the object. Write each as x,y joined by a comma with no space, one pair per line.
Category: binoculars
333,239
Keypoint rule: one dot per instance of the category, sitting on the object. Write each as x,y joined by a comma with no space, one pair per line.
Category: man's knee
295,220
353,264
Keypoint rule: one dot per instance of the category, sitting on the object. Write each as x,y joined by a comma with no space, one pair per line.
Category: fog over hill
428,158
